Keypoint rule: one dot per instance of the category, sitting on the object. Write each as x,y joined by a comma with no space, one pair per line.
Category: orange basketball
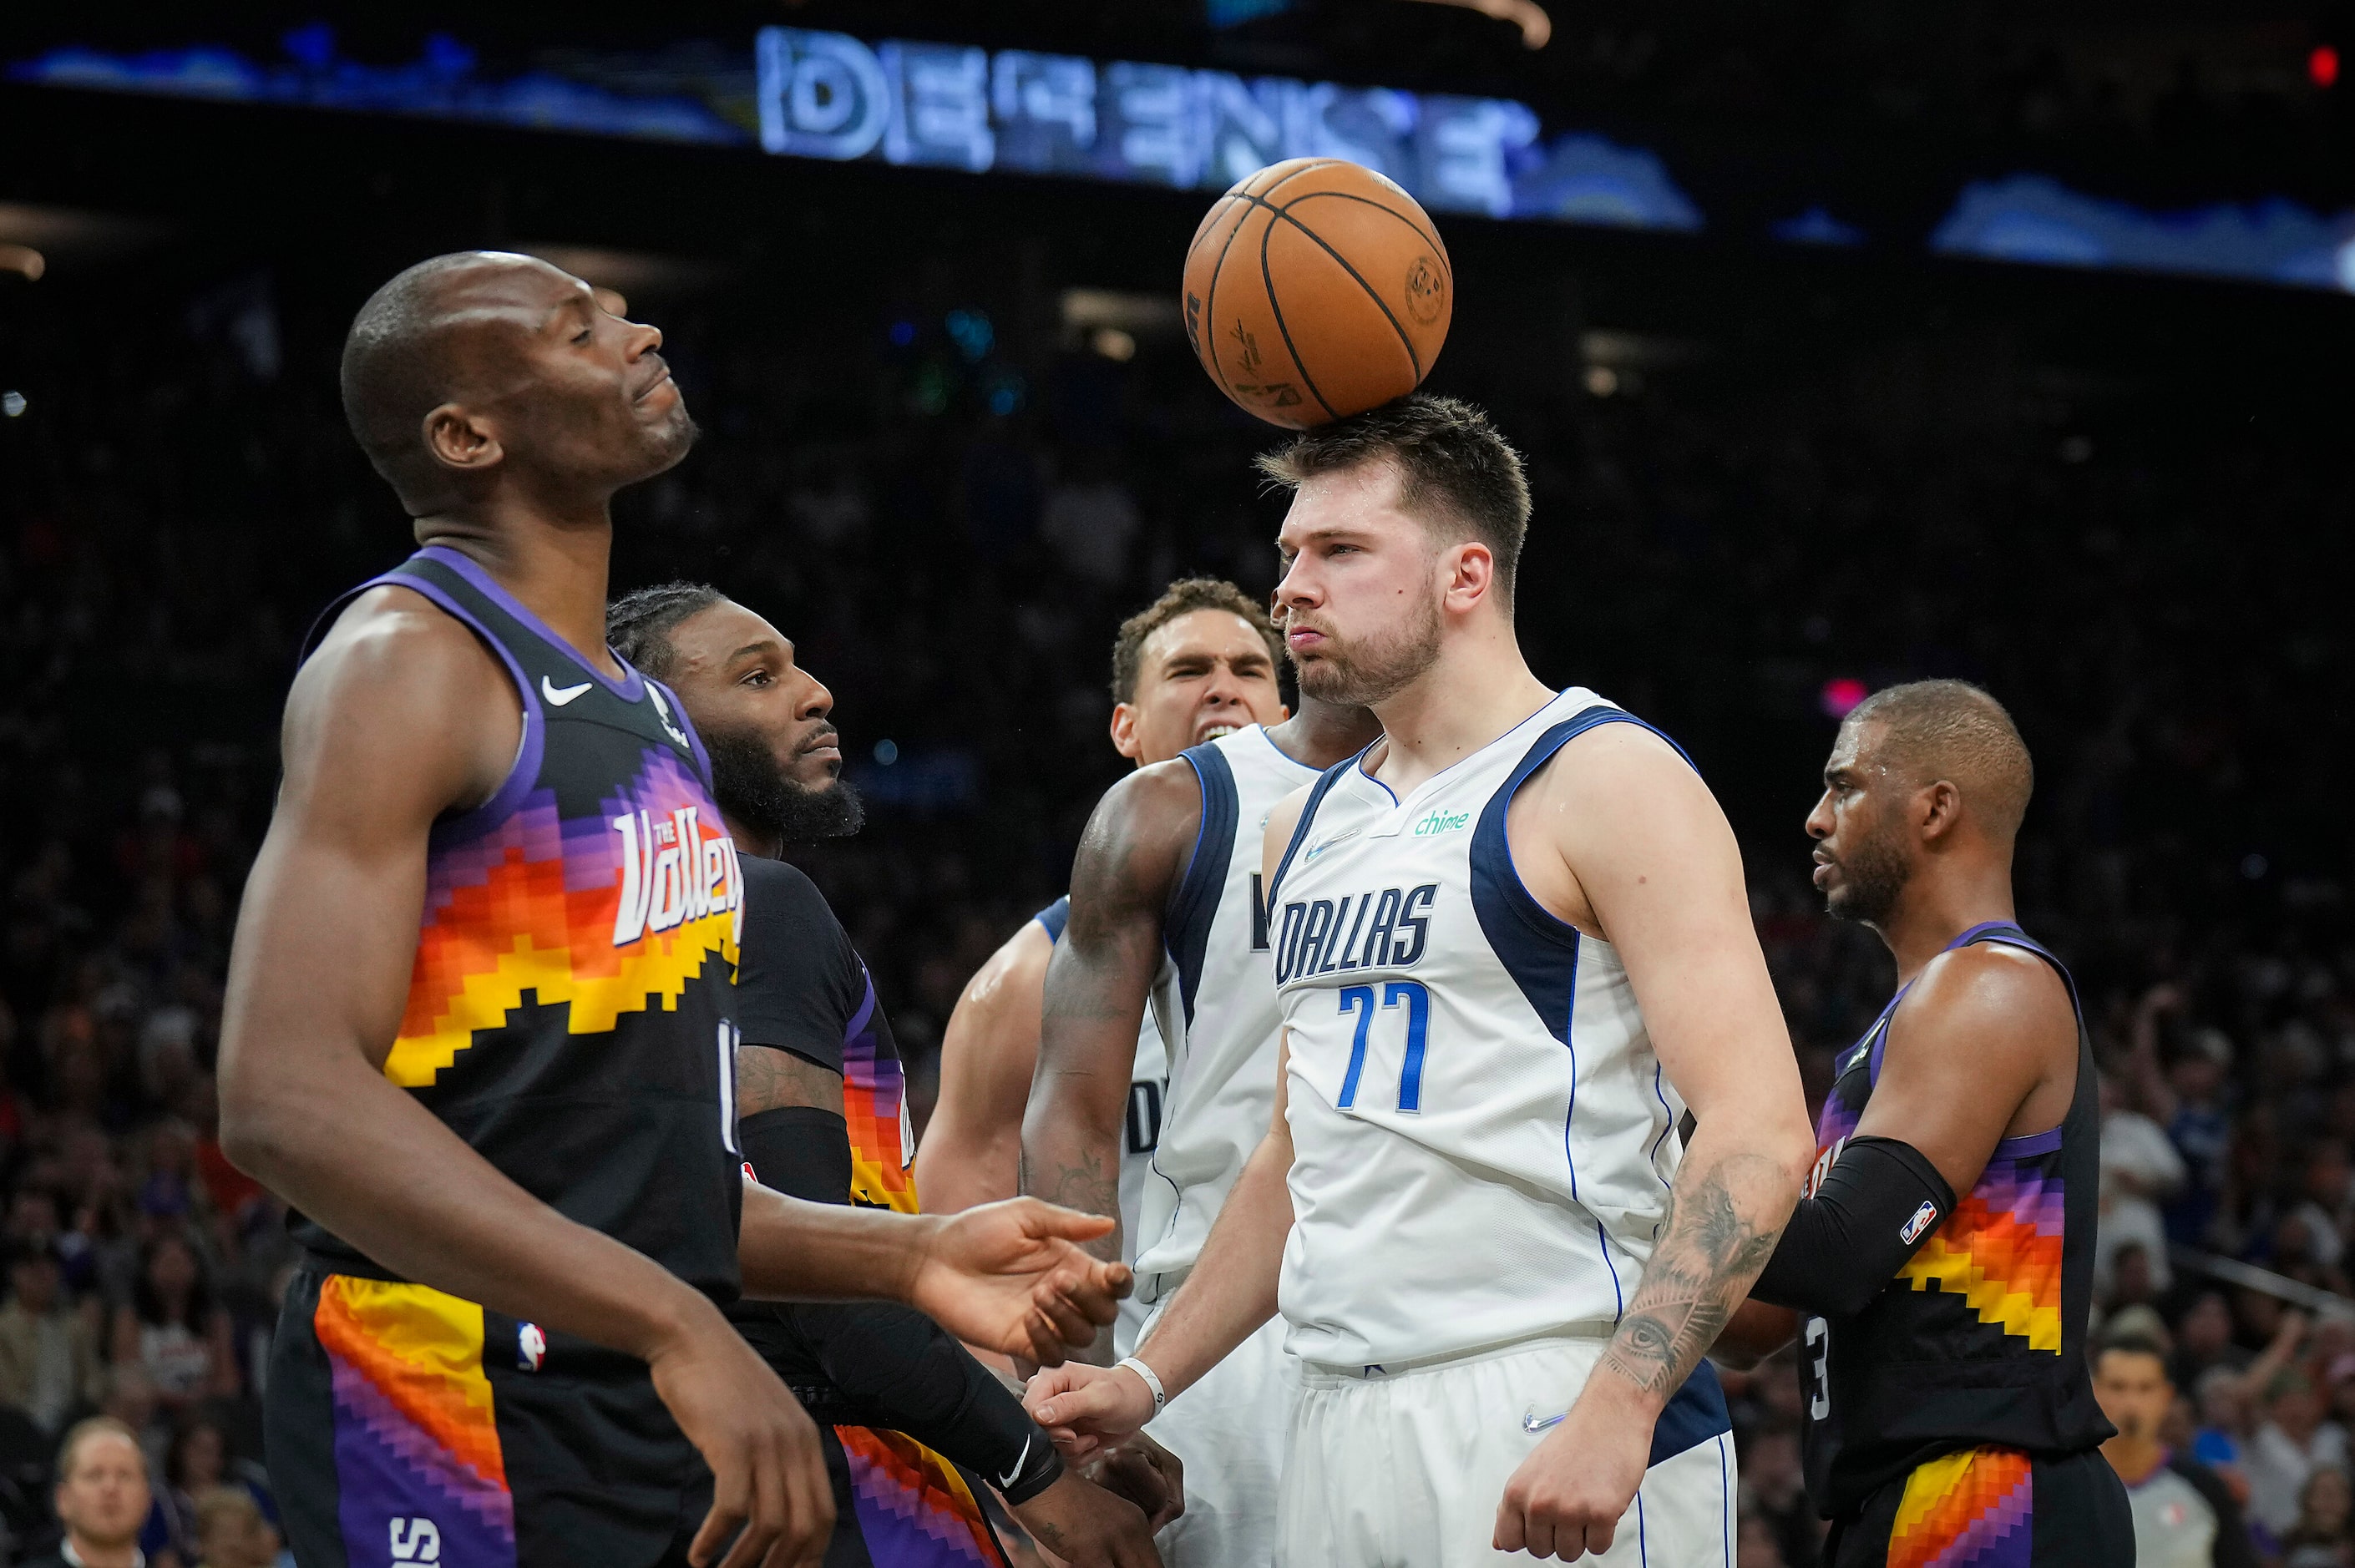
1315,289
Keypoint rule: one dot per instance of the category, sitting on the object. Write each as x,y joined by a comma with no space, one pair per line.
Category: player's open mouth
1213,732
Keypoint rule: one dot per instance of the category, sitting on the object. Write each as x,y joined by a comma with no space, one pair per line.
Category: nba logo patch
1922,1220
531,1346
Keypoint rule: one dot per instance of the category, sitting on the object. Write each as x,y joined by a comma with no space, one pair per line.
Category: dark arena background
1846,345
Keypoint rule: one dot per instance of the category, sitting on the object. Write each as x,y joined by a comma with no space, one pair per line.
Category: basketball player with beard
910,1421
1950,1414
1512,944
481,1007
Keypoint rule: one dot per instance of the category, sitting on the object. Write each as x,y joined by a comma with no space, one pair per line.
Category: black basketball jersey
1979,1339
571,1013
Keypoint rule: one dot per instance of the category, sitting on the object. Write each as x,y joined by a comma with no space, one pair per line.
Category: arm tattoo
1708,1254
768,1078
1087,1187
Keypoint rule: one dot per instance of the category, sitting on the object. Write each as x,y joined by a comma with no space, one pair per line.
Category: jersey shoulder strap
1194,903
1054,917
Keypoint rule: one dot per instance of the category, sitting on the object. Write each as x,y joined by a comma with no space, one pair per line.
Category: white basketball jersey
1221,1015
1483,1138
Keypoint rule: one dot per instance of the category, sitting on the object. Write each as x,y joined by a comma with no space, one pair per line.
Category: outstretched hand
1011,1278
1085,1408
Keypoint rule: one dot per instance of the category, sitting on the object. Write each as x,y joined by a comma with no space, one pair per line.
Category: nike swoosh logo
560,695
1007,1479
1532,1422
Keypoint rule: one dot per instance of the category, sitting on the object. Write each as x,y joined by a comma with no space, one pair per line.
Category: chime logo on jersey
673,872
1388,930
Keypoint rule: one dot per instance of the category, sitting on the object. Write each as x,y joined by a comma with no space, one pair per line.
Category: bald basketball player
480,1016
1950,1416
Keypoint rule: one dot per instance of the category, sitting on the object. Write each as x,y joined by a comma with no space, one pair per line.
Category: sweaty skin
402,718
1615,835
1984,1047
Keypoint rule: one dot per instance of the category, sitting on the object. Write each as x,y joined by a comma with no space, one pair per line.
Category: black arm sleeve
1875,1207
893,1366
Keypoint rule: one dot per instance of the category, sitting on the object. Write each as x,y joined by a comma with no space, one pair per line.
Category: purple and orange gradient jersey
1979,1339
571,1013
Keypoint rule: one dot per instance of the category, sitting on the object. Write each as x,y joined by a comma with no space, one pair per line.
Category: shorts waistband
1322,1374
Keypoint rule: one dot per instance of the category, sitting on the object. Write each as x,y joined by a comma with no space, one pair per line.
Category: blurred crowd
950,517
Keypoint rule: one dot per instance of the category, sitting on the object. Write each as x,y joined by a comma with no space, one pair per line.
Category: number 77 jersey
1483,1138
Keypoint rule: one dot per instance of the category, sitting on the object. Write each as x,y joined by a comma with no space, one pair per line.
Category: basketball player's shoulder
779,897
1995,996
1137,841
1613,765
396,675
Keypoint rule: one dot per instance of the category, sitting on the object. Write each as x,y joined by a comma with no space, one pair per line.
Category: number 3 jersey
1483,1138
570,1008
1981,1337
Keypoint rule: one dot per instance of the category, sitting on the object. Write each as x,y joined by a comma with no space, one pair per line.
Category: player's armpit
1985,1045
972,1149
1129,861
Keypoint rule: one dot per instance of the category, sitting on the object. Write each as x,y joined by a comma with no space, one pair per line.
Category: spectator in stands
101,1498
2294,1441
2184,1515
171,1328
198,1465
2319,1538
232,1532
48,1347
2140,1170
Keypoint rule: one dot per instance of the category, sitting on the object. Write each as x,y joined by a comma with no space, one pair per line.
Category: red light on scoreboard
1841,695
2322,66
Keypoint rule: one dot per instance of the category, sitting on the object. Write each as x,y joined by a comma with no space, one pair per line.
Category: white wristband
1152,1383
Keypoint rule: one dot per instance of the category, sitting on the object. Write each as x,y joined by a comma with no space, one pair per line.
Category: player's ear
1938,807
1472,575
459,440
1123,729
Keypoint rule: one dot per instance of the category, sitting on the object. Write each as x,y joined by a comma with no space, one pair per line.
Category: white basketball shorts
1405,1470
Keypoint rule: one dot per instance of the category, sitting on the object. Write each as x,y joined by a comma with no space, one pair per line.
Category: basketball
1314,290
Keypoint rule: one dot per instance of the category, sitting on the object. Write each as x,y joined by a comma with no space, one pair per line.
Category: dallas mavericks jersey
1147,1091
1483,1138
1981,1337
572,1008
1222,1052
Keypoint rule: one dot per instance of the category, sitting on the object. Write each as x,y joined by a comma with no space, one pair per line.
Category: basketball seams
1267,278
1429,237
1380,304
1210,303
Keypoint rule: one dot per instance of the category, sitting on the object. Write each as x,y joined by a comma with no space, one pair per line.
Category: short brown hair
1453,467
1183,597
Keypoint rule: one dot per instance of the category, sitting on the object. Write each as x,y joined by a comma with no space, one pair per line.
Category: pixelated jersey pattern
610,915
874,1102
1971,1510
915,1508
418,1462
2000,1251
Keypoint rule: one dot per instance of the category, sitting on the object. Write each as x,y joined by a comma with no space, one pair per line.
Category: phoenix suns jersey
571,1009
1979,1340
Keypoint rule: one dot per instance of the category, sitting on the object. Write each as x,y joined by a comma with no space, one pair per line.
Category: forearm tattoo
1089,1187
1708,1254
